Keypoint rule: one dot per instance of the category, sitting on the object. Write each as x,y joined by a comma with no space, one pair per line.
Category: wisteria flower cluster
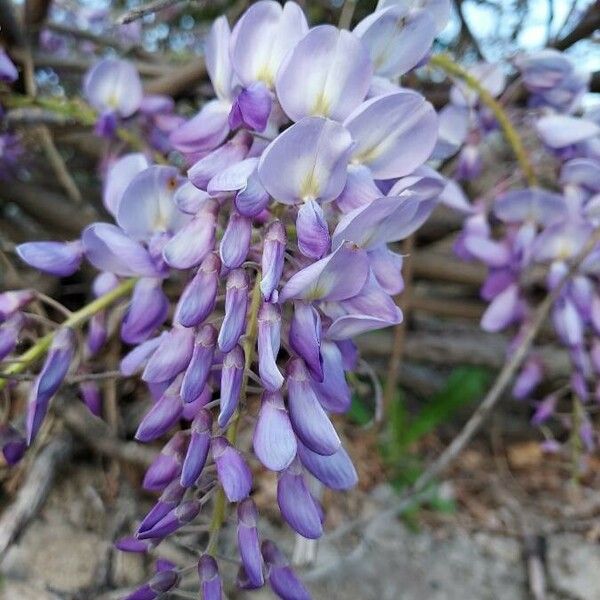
306,165
543,227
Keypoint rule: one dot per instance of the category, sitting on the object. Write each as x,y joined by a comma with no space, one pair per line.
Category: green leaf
464,386
359,412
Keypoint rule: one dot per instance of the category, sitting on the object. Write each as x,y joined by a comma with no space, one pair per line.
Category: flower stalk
75,320
446,64
218,514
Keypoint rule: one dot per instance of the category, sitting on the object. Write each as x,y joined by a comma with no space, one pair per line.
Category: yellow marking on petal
317,292
321,106
367,155
310,187
266,75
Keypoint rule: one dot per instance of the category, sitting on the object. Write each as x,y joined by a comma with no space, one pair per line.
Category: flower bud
269,334
147,311
197,372
314,240
167,465
296,503
197,451
234,474
272,259
282,579
333,392
162,582
161,417
172,356
210,580
305,337
251,107
97,333
274,440
172,521
51,376
251,200
236,305
169,499
309,421
9,334
249,543
57,258
198,298
135,360
91,396
193,242
13,444
336,471
232,375
235,242
13,301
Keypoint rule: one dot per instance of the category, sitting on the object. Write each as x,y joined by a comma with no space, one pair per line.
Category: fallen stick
35,489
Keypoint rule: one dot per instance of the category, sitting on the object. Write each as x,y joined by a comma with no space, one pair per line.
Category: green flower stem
76,319
77,110
218,515
444,62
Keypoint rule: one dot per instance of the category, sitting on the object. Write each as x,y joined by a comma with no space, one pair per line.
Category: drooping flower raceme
302,170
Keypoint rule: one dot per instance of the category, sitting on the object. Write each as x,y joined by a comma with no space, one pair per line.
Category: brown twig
34,490
400,329
146,9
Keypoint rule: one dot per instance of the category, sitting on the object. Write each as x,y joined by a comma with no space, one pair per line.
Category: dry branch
34,491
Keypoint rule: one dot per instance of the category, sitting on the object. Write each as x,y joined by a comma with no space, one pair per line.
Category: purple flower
335,471
314,155
263,37
162,582
312,230
305,337
336,75
179,516
9,334
115,86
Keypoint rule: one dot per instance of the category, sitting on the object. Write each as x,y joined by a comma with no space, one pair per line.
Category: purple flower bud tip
131,544
249,543
160,418
198,298
236,305
172,521
13,301
232,376
284,582
56,258
161,583
198,371
51,376
210,580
